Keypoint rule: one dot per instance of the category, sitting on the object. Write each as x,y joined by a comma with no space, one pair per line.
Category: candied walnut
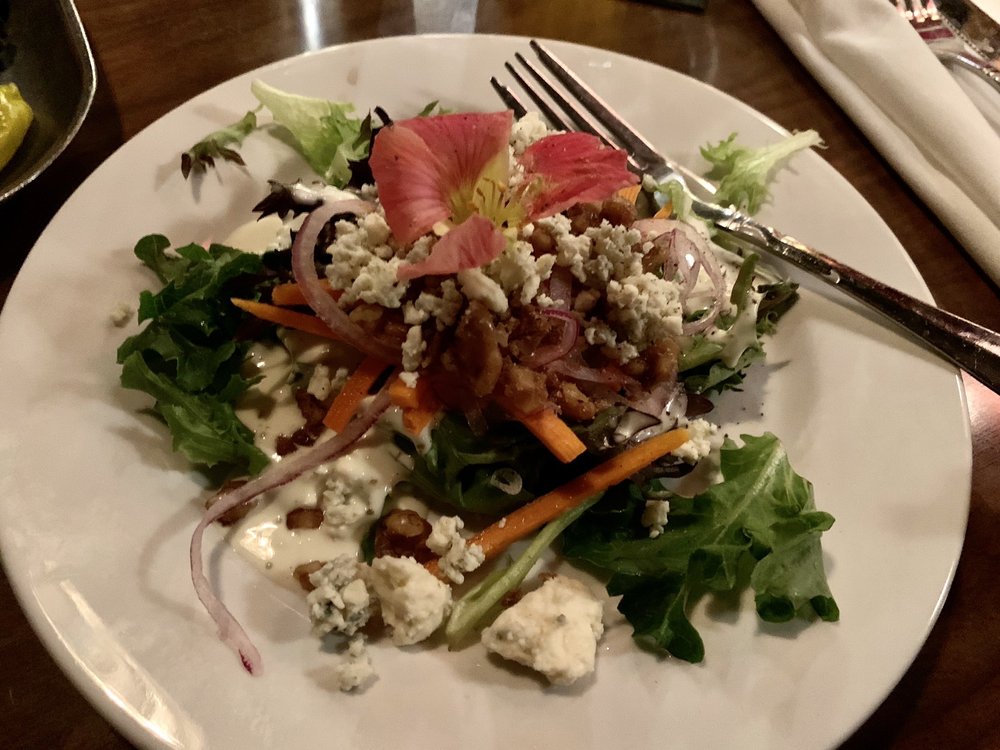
531,330
574,403
511,598
313,412
304,518
476,351
233,515
303,571
661,361
583,216
403,533
586,300
522,388
619,212
379,322
542,241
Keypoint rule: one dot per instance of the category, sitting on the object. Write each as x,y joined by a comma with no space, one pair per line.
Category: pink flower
454,169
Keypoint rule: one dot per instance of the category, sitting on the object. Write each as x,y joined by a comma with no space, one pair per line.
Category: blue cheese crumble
553,630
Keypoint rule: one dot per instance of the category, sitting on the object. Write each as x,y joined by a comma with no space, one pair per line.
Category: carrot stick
415,420
554,434
630,193
419,404
290,294
526,519
404,396
346,404
666,210
287,318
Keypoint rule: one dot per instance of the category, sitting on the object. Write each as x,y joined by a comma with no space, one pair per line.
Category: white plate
95,512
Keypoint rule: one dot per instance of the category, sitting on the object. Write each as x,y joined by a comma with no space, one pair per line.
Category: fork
946,45
971,347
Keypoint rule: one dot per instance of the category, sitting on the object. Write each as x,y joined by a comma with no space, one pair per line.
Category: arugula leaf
187,357
202,155
744,173
204,428
326,133
761,515
459,468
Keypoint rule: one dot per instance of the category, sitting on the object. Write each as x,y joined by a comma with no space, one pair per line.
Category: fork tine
543,106
509,98
581,122
631,139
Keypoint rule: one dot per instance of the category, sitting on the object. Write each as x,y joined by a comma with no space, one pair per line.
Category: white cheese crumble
340,603
363,264
121,314
414,602
476,285
553,629
355,668
654,516
443,309
413,348
320,383
702,438
519,272
457,556
343,505
527,130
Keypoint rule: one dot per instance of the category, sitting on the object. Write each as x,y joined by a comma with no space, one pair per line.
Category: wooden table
154,54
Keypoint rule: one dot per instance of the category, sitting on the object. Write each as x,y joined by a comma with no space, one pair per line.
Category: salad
472,347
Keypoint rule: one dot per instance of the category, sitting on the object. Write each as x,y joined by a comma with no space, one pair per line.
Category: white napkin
940,132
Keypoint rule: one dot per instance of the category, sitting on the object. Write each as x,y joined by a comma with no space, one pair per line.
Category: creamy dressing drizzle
368,473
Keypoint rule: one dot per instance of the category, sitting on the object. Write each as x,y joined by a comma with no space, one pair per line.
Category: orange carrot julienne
346,403
666,210
630,193
290,294
287,318
415,420
528,518
403,395
554,434
419,404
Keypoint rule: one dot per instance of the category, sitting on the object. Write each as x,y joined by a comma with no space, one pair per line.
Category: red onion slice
561,288
325,307
611,377
571,331
230,630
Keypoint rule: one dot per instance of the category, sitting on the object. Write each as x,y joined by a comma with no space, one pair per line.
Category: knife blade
974,27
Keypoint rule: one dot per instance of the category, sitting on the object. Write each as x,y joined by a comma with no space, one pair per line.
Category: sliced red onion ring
561,288
571,331
304,268
604,376
230,630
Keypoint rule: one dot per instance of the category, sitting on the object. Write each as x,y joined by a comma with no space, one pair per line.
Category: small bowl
44,50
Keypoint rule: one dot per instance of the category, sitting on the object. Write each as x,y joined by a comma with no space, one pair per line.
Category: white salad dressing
352,489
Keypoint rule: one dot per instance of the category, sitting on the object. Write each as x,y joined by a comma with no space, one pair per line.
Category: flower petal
426,168
473,243
573,168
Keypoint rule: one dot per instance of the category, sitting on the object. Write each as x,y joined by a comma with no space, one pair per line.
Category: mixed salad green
756,525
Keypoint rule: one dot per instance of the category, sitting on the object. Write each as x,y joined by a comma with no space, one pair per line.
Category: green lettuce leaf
762,516
326,132
744,173
219,145
461,468
188,357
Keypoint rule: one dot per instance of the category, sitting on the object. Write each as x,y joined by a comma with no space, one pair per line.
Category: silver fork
946,45
968,345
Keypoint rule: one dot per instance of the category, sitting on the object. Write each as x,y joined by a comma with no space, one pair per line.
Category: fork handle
970,346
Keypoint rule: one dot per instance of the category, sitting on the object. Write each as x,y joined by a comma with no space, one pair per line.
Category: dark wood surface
154,54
